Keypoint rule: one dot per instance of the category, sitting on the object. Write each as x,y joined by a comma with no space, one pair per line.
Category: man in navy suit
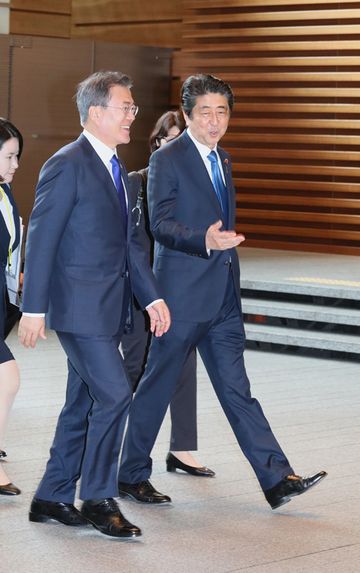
191,201
82,263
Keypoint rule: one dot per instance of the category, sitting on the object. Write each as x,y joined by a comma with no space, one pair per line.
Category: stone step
341,289
301,311
303,338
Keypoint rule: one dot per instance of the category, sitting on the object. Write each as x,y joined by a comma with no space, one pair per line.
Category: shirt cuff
34,314
154,302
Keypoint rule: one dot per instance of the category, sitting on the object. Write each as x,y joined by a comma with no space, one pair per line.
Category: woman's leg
9,385
183,413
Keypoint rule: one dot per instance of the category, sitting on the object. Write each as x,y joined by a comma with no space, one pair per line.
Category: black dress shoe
143,492
105,515
66,513
173,463
3,454
290,486
9,489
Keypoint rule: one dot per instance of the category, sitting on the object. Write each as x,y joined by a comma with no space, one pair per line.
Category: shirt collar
204,150
104,152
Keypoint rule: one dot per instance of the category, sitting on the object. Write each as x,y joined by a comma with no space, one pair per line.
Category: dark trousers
135,346
91,424
221,345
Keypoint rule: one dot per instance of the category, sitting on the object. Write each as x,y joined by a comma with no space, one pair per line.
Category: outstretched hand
159,318
217,240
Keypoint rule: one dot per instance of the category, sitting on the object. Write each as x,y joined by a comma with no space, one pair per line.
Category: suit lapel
15,214
199,173
102,174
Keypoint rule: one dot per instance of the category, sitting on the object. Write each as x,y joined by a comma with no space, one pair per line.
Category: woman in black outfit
11,143
135,345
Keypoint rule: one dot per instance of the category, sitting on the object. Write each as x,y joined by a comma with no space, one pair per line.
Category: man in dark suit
192,213
82,263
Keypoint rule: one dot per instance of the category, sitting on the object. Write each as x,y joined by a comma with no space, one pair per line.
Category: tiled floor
220,525
297,271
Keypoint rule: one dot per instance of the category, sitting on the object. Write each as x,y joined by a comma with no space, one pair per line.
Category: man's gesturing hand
159,318
30,329
217,240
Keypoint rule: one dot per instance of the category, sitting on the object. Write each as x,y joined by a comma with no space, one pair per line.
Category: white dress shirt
204,151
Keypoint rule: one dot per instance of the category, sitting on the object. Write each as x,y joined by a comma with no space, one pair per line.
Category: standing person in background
135,344
192,217
82,261
11,144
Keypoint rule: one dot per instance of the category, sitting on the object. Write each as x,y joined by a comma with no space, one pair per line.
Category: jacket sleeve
54,200
163,189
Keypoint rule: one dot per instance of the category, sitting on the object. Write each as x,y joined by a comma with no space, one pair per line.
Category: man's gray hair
95,90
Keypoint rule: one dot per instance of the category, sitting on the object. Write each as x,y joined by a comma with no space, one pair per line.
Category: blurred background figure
135,344
11,143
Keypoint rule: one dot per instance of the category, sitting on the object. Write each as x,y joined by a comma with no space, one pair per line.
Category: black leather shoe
9,489
173,463
3,454
143,492
105,515
66,513
290,486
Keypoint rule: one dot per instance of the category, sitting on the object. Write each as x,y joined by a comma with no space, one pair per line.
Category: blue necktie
219,186
116,171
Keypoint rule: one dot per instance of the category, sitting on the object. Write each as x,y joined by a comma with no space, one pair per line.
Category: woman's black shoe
9,489
173,463
3,454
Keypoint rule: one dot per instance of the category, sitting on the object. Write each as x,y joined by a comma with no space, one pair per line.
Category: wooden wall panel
294,136
294,66
143,34
41,18
155,23
41,102
4,75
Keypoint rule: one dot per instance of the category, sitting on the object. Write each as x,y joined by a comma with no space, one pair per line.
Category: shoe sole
42,518
296,493
130,535
123,494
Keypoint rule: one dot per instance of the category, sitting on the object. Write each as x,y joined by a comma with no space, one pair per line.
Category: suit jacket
4,233
78,254
182,206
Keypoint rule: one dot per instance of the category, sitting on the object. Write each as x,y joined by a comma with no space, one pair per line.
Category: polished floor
219,525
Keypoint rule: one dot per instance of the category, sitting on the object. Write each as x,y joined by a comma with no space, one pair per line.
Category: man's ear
94,113
186,118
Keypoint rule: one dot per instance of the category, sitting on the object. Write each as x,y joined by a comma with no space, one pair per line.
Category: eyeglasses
126,109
